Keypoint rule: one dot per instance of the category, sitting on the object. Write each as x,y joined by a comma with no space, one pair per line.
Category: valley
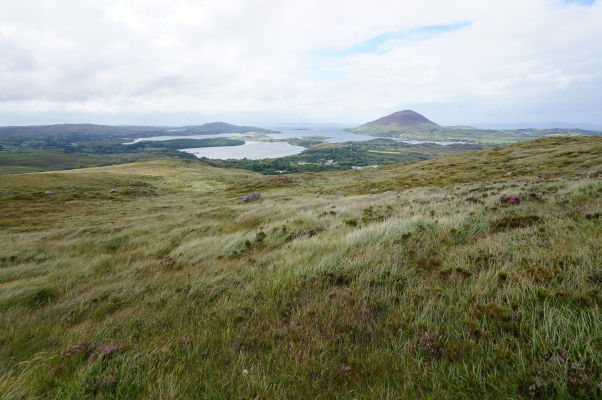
281,149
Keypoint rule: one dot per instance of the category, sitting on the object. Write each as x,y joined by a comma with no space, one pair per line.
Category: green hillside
68,146
473,275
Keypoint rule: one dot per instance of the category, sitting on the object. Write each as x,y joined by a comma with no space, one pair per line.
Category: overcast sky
194,61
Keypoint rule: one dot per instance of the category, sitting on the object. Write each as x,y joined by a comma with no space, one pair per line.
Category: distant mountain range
408,124
119,132
409,119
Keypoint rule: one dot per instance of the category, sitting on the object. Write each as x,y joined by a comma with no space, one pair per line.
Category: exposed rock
312,232
49,192
113,191
251,197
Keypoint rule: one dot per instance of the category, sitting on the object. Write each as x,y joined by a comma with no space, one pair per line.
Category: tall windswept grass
431,286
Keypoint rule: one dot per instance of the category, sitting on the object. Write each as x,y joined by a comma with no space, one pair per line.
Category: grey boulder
251,197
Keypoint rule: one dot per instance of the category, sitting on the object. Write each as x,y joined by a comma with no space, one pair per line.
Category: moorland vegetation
473,275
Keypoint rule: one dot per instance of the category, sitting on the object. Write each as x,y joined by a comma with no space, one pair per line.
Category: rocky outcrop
251,197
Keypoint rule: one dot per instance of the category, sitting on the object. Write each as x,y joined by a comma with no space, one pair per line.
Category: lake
252,150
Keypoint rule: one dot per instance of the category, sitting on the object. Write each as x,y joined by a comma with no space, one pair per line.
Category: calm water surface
250,150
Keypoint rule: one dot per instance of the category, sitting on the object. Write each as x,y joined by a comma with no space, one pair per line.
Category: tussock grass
173,289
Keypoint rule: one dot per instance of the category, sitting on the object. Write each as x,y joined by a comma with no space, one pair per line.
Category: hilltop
473,275
400,119
405,120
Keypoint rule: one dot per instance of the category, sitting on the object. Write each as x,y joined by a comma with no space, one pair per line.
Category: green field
151,280
15,161
21,159
467,134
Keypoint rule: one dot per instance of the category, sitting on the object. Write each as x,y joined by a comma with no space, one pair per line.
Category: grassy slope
171,288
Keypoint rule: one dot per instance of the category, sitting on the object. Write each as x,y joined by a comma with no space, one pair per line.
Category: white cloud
129,60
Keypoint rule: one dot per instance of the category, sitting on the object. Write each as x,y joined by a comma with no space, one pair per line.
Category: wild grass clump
29,297
514,222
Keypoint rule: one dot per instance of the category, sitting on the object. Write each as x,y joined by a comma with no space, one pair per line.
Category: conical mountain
398,121
404,118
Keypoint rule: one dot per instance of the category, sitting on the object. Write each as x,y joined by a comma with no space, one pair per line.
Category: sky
177,62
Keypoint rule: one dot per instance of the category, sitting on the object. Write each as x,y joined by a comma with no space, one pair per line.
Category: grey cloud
242,58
